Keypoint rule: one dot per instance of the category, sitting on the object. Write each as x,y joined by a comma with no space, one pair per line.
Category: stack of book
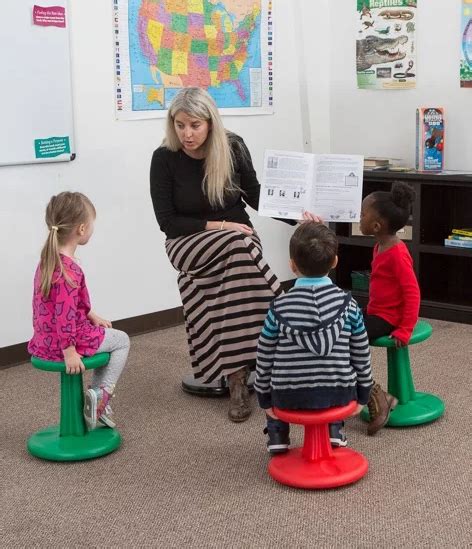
460,238
376,163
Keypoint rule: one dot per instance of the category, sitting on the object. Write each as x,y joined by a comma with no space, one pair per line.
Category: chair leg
72,404
316,444
414,408
400,380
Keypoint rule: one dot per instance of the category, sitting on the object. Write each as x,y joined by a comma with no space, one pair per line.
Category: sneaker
105,418
380,405
279,441
90,407
337,436
96,408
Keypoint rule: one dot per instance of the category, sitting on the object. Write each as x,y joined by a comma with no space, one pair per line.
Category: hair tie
54,228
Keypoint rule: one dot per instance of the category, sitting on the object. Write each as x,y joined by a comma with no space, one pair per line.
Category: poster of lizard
386,44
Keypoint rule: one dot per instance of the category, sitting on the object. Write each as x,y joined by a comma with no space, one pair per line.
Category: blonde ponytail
64,213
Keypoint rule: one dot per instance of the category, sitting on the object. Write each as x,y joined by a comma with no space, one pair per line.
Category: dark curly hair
394,207
313,248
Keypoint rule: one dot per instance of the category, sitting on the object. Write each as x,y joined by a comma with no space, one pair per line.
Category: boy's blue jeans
279,426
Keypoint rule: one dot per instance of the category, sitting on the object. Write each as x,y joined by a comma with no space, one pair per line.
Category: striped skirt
226,288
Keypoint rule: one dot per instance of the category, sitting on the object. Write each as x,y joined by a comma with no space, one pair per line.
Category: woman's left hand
308,216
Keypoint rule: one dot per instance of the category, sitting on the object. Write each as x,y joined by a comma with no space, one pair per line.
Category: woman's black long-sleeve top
180,204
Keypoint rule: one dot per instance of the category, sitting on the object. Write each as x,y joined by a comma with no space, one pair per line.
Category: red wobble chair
317,465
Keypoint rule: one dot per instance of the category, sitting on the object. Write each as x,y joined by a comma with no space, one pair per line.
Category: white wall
127,270
382,123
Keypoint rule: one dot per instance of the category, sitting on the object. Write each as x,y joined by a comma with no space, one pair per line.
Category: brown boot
239,408
380,405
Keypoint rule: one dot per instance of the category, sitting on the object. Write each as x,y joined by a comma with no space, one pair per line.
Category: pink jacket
60,320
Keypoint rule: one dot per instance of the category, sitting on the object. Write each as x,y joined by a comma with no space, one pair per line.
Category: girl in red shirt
394,294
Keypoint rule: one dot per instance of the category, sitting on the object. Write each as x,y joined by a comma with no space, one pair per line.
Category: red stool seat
317,464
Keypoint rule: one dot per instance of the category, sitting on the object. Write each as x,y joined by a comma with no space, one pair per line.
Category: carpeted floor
187,477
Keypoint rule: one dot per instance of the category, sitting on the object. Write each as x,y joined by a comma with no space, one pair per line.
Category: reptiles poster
386,44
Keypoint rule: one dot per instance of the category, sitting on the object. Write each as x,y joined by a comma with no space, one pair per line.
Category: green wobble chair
71,440
413,408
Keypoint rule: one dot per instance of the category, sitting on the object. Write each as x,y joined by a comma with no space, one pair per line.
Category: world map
214,44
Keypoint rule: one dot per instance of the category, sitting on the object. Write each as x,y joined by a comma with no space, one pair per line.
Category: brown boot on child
380,405
239,407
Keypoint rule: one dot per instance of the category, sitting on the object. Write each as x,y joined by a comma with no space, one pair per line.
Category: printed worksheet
328,185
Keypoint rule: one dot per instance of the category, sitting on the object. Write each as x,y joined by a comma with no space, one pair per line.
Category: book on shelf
458,237
462,232
430,139
458,243
375,162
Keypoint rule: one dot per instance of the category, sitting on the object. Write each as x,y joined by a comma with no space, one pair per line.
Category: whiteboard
36,119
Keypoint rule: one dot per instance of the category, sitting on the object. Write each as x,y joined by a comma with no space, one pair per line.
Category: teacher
202,177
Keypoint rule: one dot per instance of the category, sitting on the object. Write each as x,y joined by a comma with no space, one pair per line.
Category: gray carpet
187,477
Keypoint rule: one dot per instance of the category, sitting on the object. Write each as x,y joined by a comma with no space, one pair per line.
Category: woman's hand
240,227
73,360
229,226
98,320
308,216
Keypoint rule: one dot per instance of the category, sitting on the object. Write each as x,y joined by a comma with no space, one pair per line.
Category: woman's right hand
240,227
73,361
229,226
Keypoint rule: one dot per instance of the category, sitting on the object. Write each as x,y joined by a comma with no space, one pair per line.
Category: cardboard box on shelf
405,234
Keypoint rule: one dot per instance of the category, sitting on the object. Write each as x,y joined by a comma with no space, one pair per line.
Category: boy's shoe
278,442
380,405
337,436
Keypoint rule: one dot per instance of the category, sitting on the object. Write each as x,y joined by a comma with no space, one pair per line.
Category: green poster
51,147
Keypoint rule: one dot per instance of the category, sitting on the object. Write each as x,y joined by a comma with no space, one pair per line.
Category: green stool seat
413,408
71,440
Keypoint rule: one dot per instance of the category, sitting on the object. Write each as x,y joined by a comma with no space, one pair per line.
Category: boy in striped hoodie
313,351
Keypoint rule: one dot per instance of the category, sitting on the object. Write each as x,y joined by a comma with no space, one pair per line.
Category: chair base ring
48,444
344,467
424,408
217,388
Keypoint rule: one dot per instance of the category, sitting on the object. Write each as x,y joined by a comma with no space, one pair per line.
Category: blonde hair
64,213
219,161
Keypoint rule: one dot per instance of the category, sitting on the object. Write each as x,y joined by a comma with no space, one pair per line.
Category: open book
328,185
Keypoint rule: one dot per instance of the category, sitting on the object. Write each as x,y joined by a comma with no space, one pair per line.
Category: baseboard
136,325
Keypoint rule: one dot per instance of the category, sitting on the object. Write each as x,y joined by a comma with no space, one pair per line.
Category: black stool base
217,388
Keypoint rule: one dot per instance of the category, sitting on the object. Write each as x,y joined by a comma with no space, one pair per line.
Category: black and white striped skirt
226,288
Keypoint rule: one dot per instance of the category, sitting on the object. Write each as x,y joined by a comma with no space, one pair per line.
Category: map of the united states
205,43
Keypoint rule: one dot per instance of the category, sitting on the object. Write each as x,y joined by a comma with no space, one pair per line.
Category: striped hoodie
313,351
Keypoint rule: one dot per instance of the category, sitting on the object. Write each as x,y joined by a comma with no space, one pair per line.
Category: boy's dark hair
394,206
313,248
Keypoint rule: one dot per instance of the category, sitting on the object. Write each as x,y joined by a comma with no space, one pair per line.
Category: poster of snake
386,44
466,44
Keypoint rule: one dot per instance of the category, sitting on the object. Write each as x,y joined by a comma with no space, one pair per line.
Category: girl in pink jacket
65,327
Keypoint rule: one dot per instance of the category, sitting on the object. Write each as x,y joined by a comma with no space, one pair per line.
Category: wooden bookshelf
443,202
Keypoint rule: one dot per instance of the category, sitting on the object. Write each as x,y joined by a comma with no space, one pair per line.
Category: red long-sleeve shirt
394,294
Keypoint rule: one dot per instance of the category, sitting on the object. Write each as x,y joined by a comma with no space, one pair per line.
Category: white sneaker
106,419
90,407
